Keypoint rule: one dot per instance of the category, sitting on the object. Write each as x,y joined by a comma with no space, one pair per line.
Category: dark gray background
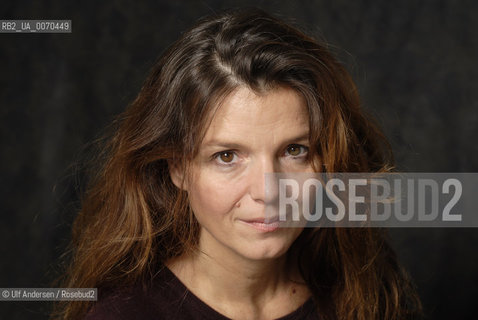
414,62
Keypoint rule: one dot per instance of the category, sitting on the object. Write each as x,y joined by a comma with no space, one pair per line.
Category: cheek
213,198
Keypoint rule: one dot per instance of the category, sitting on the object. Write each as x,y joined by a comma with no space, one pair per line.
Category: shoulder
160,299
124,303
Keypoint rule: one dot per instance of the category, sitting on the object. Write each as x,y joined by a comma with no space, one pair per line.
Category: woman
172,225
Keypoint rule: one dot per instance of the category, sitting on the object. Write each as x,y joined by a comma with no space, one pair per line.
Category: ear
176,172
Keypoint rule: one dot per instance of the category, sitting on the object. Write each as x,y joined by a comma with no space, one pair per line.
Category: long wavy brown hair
133,218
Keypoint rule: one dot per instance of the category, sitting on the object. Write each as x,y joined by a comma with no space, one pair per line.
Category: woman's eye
296,150
225,156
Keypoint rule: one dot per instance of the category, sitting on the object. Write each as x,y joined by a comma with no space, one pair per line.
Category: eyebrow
235,145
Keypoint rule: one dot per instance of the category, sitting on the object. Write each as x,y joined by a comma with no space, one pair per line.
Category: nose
262,183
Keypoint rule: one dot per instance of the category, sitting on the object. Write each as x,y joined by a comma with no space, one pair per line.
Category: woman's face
249,136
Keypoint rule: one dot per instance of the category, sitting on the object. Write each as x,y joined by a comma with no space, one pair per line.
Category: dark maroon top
168,298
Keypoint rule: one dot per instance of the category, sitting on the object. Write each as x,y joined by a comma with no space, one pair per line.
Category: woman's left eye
296,150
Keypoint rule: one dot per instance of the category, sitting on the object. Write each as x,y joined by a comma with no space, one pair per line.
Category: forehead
245,113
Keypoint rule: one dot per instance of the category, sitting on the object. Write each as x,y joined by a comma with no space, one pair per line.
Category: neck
221,277
242,280
225,275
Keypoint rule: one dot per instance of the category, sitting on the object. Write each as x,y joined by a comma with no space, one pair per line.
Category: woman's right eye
225,157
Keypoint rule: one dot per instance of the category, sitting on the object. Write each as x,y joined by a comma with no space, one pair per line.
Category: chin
267,251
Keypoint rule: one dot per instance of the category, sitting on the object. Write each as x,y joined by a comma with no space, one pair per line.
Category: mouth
263,224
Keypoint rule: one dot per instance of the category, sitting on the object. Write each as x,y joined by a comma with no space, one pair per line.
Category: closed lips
263,224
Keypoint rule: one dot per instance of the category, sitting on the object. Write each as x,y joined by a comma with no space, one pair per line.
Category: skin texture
240,269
